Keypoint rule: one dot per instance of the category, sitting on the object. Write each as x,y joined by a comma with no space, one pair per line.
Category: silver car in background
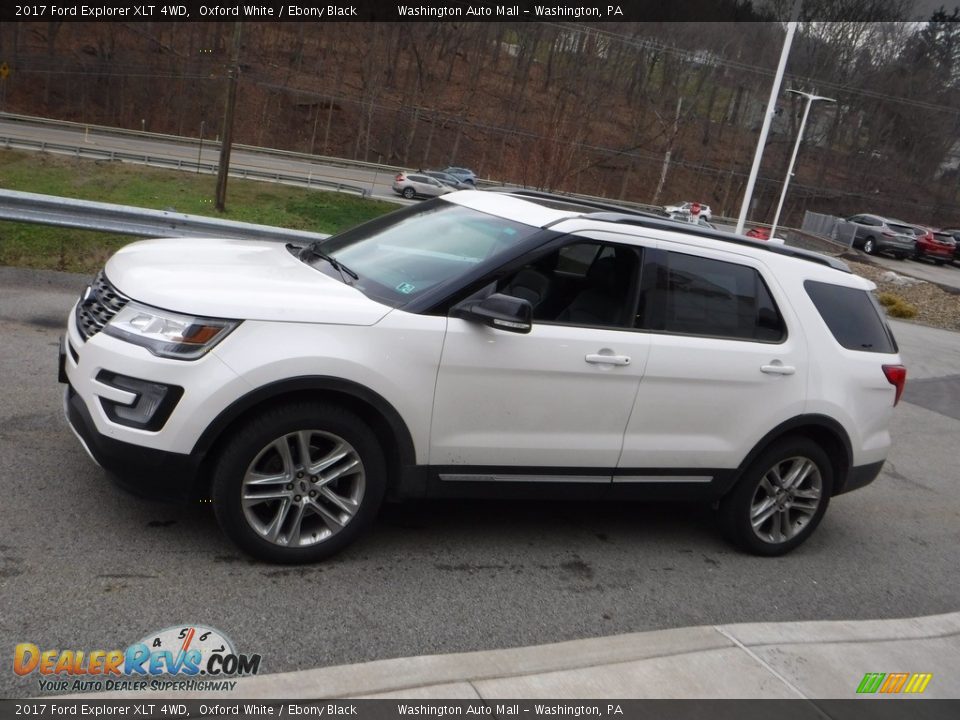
876,234
412,185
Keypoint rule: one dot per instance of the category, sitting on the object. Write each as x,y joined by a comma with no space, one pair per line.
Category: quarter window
692,295
853,316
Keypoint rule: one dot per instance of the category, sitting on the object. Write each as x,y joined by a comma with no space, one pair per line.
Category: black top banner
700,11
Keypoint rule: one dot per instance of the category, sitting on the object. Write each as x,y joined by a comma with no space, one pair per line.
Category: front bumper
143,471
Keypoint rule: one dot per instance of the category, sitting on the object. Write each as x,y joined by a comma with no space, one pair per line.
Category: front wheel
298,483
870,246
780,499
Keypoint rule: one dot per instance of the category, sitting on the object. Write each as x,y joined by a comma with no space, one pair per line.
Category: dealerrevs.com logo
187,657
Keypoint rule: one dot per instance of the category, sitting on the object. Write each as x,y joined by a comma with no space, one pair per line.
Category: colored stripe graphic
918,682
892,683
871,682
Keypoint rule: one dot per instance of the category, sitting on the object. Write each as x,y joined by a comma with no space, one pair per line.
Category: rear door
727,363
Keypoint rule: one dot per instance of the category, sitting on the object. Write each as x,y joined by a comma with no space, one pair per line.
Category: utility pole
228,120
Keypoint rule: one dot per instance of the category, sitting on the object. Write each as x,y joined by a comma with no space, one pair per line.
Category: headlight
168,334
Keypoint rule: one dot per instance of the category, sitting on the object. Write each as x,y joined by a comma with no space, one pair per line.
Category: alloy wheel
303,488
786,499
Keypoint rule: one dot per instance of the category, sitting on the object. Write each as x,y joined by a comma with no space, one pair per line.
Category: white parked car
477,343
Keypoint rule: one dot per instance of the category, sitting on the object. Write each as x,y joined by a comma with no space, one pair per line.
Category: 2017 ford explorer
483,343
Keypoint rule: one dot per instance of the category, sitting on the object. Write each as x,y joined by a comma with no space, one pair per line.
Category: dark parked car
464,174
875,234
934,244
449,180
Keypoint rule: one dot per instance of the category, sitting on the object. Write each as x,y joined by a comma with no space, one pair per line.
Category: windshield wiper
314,250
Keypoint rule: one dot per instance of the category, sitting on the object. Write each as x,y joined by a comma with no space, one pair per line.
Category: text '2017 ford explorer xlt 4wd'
483,343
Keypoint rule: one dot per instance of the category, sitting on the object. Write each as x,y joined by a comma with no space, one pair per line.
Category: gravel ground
935,306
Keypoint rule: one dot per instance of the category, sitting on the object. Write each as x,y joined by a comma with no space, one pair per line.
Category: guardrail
81,151
125,220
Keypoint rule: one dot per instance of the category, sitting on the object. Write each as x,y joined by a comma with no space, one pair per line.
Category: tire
301,516
757,494
409,193
870,246
939,262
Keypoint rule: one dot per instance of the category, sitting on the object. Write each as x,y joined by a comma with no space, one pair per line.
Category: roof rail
700,231
567,202
613,213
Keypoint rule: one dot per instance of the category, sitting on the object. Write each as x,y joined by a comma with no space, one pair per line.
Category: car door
727,364
552,404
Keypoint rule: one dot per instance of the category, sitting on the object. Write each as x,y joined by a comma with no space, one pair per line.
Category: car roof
544,210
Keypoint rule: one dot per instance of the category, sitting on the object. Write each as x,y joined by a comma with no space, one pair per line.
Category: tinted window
698,296
584,284
853,316
867,220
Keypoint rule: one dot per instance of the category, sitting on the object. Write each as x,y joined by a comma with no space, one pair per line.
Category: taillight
896,376
399,177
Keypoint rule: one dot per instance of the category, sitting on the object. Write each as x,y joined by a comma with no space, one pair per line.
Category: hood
236,279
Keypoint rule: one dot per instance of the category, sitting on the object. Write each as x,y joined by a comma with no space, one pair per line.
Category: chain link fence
829,226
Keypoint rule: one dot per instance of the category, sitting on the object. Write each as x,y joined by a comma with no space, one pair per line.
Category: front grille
98,304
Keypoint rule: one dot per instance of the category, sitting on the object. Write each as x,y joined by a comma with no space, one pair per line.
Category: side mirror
501,312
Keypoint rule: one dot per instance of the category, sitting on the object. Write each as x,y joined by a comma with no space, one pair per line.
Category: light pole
811,98
768,117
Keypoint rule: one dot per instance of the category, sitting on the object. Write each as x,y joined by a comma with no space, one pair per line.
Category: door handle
778,368
602,359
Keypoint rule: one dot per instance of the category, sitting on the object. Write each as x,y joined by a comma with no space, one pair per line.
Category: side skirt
461,481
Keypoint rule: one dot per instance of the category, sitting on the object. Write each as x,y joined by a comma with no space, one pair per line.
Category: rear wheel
780,499
408,193
298,483
870,246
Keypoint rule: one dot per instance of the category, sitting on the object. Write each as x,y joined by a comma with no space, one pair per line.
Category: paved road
378,182
84,565
946,275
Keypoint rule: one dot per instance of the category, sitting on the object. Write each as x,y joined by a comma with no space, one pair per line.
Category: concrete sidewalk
757,660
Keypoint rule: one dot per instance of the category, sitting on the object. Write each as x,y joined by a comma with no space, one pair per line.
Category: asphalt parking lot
84,565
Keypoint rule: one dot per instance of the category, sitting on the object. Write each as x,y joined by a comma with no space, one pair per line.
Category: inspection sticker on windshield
406,288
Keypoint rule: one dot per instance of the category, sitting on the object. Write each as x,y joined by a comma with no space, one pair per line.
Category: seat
601,302
530,285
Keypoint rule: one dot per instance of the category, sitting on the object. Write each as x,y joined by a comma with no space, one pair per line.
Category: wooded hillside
651,112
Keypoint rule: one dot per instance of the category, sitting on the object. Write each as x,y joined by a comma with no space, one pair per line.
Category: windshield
400,256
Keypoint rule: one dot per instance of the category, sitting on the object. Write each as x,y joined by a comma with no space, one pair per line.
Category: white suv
483,342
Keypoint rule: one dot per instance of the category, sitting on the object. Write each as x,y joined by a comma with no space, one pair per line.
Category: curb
802,660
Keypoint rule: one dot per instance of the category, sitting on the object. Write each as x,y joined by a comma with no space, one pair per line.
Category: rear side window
853,316
691,295
903,229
